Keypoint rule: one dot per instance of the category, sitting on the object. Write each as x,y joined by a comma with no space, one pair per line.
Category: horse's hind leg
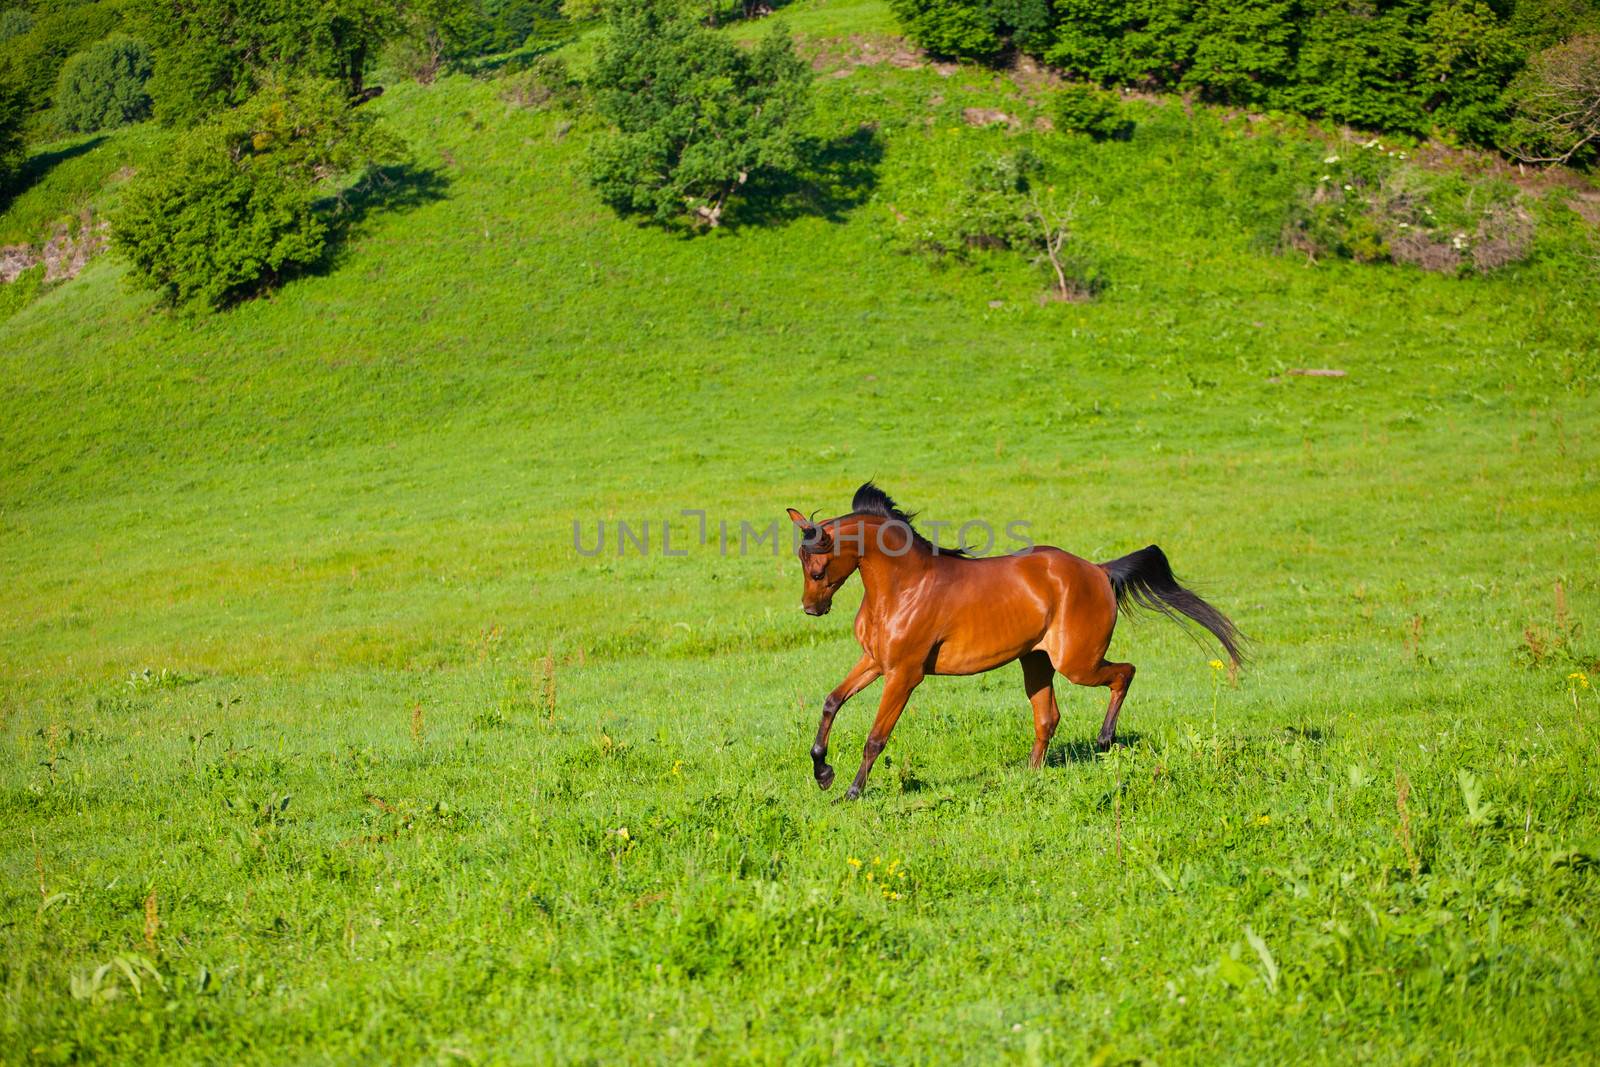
1117,676
1038,676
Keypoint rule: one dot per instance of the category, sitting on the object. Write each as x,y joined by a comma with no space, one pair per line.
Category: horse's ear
799,519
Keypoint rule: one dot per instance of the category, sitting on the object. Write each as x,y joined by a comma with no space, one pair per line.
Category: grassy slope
65,178
355,499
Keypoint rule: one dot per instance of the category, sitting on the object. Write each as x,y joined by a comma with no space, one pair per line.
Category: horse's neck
888,573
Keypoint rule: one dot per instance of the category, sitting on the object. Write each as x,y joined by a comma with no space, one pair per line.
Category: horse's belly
960,660
973,649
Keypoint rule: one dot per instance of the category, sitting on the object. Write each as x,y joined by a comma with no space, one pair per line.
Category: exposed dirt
988,116
64,253
838,56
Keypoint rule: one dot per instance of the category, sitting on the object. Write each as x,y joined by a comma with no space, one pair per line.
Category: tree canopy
694,116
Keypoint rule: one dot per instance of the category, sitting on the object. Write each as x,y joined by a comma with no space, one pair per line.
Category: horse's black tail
1145,578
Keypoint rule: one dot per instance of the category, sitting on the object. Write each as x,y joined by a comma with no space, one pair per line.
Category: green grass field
321,743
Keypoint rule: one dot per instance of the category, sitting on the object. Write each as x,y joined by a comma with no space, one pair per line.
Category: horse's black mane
870,500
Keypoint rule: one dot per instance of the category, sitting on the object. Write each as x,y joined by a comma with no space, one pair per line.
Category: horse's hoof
824,776
1106,744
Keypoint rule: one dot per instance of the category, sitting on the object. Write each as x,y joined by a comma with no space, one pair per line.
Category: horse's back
996,608
1058,567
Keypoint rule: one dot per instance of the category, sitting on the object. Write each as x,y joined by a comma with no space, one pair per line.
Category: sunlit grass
295,643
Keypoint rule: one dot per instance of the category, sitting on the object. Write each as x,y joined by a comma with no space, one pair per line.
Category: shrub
1085,109
1466,55
209,230
104,86
991,210
506,25
234,210
1371,205
546,82
1001,207
950,27
693,115
1556,103
1241,52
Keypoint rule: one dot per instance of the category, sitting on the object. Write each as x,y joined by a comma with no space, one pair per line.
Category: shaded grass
61,180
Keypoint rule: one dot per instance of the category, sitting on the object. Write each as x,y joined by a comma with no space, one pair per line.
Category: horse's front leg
897,689
863,674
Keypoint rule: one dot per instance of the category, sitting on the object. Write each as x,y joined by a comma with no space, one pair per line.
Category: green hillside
314,719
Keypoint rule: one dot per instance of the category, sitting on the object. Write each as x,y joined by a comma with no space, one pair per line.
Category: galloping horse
930,610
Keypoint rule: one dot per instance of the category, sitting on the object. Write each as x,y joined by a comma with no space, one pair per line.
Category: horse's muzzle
809,610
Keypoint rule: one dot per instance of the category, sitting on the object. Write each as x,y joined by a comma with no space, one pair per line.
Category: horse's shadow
1084,750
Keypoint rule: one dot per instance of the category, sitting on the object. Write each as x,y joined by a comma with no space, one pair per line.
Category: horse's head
824,563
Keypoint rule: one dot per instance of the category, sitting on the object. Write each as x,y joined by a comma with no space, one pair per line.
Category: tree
694,116
13,114
430,32
104,85
234,209
213,54
48,39
1557,104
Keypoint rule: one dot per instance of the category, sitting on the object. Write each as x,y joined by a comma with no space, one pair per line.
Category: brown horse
930,610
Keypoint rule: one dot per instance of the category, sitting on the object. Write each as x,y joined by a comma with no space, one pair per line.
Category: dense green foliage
1085,109
312,718
505,25
213,54
14,22
104,86
233,210
13,118
951,27
55,32
431,33
694,115
1414,66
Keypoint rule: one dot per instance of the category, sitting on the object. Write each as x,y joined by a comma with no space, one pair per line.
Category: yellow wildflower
1216,665
852,861
1581,678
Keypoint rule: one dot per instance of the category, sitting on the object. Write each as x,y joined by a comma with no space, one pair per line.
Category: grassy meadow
320,743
